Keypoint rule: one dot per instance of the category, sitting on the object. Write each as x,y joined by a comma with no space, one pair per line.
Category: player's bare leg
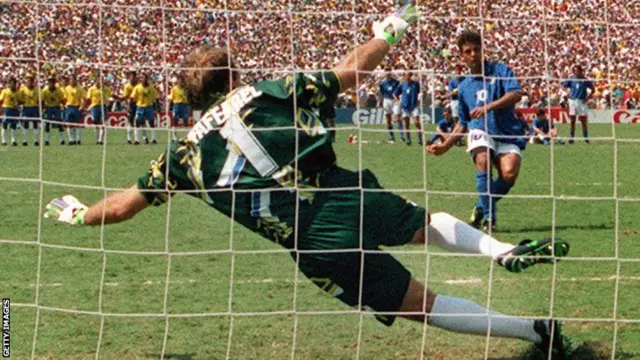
464,316
482,209
572,130
418,125
585,128
407,128
398,120
390,127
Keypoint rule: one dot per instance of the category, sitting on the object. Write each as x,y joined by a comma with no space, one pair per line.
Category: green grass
585,209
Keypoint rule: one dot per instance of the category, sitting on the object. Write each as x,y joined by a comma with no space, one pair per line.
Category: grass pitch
246,299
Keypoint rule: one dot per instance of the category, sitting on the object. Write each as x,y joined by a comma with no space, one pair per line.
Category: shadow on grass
558,227
189,356
590,350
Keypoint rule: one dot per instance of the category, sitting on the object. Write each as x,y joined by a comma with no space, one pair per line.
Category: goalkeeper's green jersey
256,155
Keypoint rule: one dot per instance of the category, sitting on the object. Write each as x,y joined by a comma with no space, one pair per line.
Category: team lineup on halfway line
244,141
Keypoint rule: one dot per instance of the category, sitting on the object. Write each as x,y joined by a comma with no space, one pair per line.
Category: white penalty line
462,281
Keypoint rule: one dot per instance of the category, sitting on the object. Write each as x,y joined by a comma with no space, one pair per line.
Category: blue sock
420,138
499,188
408,137
585,133
390,128
434,137
482,181
572,133
401,129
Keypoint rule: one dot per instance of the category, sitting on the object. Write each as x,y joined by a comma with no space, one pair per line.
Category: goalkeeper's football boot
530,252
476,217
559,344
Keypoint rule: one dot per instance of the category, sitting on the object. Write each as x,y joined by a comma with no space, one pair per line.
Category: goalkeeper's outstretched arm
365,58
115,208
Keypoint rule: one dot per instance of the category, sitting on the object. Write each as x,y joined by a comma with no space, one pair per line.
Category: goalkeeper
253,158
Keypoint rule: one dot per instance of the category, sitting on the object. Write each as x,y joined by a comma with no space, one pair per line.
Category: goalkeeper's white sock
14,135
455,235
129,132
4,135
478,323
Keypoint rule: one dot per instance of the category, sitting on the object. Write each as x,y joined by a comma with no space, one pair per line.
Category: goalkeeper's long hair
207,75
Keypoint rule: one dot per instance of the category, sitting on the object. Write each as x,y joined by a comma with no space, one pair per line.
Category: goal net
184,282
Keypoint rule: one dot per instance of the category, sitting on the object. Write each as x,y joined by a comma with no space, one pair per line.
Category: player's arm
456,133
365,58
115,208
509,99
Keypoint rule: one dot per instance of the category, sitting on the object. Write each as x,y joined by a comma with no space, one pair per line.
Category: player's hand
67,209
394,26
437,149
478,112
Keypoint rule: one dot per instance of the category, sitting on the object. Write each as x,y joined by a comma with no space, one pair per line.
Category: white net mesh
540,40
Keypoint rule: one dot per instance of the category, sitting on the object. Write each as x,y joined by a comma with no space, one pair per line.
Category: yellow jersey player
30,109
74,95
52,100
11,99
145,96
180,106
126,96
98,96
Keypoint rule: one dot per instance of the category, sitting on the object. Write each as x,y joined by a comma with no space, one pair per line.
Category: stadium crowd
269,38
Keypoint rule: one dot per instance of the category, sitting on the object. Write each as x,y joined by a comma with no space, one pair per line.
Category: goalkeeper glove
394,26
67,209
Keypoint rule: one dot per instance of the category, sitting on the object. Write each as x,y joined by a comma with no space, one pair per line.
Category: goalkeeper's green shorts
334,223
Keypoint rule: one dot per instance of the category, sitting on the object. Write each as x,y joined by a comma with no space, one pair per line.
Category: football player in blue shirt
444,128
496,136
408,94
543,130
578,96
387,89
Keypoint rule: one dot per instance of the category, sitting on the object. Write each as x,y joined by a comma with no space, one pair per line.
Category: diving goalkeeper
261,155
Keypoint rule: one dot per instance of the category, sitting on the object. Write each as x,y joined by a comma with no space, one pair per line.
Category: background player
74,95
578,97
98,96
444,128
180,106
145,96
126,96
408,93
30,109
487,108
11,98
387,89
543,129
52,99
262,163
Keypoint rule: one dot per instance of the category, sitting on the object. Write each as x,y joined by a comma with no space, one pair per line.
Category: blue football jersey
578,87
408,92
446,126
543,125
388,87
476,91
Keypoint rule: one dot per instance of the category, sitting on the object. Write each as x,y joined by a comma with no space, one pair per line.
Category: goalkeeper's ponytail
206,75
